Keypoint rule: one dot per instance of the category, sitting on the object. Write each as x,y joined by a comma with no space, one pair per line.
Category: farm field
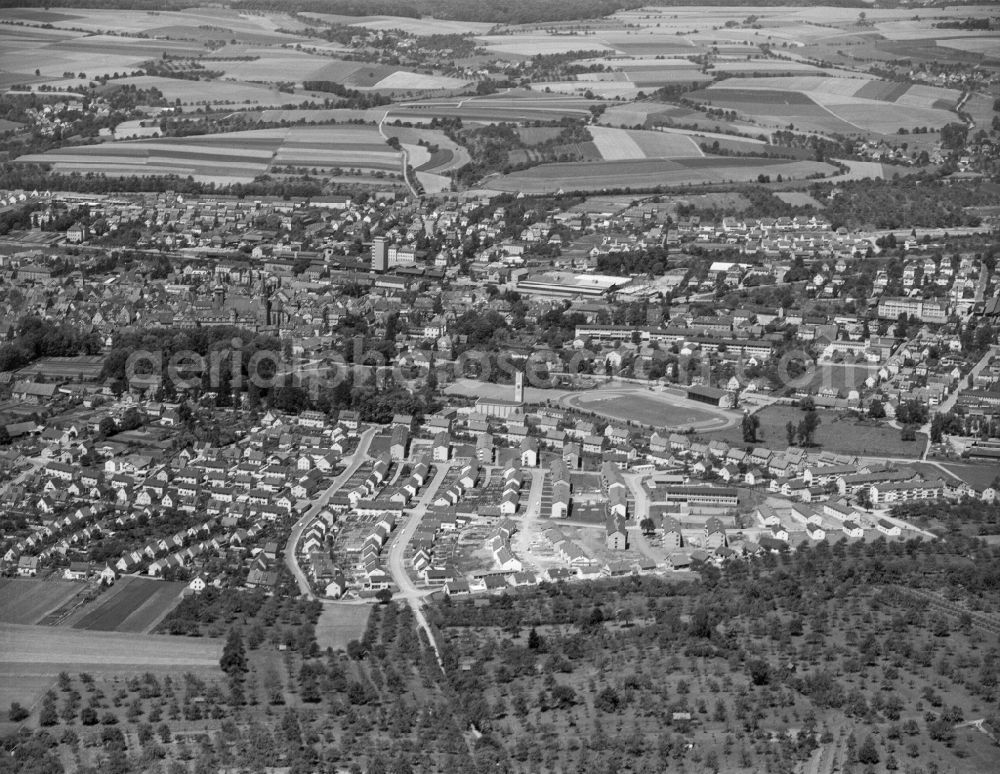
239,156
339,623
618,144
425,26
529,45
131,605
596,176
58,646
612,90
231,93
400,80
32,656
28,600
512,107
867,104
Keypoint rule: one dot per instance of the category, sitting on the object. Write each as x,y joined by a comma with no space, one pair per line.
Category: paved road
406,157
641,500
397,550
949,403
291,555
36,463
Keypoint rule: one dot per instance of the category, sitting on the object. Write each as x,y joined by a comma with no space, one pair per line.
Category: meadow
838,432
339,623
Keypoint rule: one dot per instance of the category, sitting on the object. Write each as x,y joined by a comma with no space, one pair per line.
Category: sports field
660,410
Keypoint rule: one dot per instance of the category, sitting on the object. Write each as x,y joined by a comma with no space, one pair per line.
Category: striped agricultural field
615,144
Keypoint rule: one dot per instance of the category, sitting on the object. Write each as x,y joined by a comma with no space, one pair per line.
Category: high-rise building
380,254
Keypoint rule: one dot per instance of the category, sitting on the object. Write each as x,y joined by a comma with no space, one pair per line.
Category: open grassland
651,173
838,432
132,605
28,600
339,623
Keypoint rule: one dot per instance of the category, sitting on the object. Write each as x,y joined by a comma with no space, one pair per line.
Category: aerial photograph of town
499,387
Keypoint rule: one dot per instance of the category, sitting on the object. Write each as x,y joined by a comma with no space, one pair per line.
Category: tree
760,672
807,427
954,135
17,713
234,659
750,425
607,700
647,525
790,432
868,752
107,428
534,640
88,716
384,596
876,410
48,716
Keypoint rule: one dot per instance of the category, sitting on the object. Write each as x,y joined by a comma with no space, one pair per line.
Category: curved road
406,157
291,555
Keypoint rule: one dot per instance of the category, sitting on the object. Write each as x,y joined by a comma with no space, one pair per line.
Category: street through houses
397,550
291,554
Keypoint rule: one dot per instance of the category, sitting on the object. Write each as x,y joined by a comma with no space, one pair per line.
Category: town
585,388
